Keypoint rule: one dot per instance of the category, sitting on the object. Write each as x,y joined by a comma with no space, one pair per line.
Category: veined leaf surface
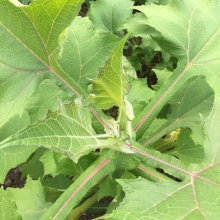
68,130
180,23
25,48
82,51
106,15
31,197
8,208
32,80
111,86
194,98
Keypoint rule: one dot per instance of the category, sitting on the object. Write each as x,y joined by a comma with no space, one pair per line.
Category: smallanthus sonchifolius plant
60,77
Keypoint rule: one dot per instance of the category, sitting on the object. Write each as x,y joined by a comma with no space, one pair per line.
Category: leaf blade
111,86
68,130
178,37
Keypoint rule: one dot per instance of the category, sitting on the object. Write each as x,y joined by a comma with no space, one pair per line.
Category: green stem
75,213
149,173
74,194
101,168
149,113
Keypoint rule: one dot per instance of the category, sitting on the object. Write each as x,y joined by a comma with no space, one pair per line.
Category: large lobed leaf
34,77
26,48
168,200
180,23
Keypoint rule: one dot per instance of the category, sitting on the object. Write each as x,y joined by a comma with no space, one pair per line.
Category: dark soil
92,215
83,11
13,179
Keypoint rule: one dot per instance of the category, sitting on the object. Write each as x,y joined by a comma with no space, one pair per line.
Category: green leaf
111,86
30,43
137,25
211,128
55,163
33,167
169,199
193,98
8,208
129,70
54,187
186,150
106,15
108,187
25,50
162,77
159,201
180,23
28,68
185,199
69,130
38,105
31,197
67,167
13,156
48,161
140,91
139,95
82,50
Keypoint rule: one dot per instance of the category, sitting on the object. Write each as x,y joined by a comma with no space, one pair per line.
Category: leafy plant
61,78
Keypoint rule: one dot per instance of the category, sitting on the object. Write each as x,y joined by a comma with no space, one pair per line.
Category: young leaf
33,167
108,187
140,91
137,25
162,77
111,86
47,159
54,187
